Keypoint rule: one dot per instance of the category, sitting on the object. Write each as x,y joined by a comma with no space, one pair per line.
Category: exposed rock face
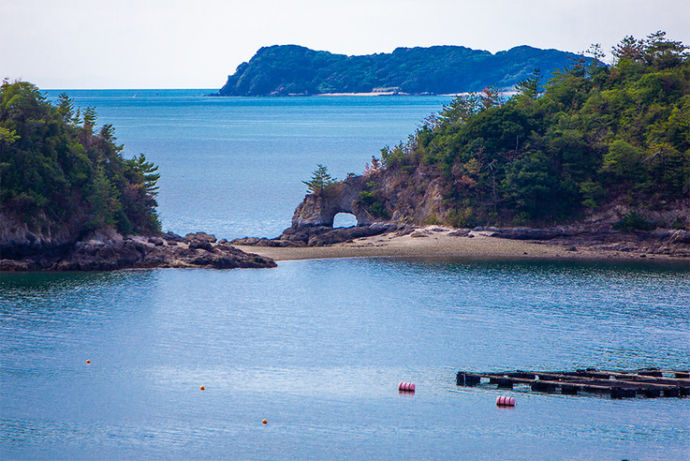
108,250
319,210
17,239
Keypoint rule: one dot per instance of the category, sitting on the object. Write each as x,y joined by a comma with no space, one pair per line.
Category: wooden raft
644,382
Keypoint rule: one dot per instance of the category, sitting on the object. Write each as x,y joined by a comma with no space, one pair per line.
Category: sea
110,365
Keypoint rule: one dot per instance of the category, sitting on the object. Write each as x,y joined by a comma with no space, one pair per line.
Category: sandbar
439,243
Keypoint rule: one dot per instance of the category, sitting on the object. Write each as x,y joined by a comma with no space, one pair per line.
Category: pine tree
319,181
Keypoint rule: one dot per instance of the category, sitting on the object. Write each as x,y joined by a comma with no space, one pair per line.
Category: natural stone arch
342,197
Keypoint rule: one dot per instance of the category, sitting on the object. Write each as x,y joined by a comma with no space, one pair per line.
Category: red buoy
406,387
505,401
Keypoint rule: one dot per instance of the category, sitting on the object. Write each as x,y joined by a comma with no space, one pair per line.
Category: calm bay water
318,347
233,166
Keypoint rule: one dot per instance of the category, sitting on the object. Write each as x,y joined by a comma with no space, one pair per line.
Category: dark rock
527,233
246,241
172,237
201,236
680,236
107,250
201,244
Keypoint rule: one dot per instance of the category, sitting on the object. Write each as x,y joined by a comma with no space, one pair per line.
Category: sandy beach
437,243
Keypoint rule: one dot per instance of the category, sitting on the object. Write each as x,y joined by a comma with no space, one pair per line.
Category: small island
70,201
291,70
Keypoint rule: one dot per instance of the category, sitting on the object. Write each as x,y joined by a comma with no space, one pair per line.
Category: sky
198,43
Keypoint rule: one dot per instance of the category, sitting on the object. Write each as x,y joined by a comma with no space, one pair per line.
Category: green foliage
320,180
370,199
290,69
462,217
678,223
54,170
634,221
592,135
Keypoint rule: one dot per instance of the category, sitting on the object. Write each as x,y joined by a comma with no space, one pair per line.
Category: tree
663,53
490,97
89,119
65,106
460,109
149,173
629,48
529,88
319,181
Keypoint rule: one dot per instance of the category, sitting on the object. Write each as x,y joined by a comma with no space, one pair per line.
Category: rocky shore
668,242
108,250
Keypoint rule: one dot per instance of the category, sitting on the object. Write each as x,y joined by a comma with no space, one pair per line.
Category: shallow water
318,347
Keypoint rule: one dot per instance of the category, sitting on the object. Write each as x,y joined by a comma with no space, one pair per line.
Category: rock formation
341,197
108,250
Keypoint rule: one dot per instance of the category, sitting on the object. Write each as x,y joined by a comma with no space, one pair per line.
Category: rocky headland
596,234
106,249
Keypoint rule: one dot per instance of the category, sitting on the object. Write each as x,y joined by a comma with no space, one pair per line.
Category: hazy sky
196,44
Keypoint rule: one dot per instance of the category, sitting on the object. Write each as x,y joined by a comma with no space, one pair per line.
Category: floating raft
644,382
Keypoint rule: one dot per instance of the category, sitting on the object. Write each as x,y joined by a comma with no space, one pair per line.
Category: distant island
70,201
599,156
291,70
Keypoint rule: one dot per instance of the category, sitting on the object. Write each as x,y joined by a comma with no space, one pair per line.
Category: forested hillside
290,69
595,136
57,173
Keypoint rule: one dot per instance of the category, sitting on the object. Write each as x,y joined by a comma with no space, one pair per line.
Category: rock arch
342,197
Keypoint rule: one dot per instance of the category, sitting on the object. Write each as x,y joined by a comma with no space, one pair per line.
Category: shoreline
434,242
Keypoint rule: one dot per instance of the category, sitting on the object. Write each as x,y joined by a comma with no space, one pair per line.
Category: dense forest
291,70
56,171
593,136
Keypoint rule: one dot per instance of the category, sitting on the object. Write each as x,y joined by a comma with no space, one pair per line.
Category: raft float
618,384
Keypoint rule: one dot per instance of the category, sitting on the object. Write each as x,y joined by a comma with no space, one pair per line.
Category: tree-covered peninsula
69,200
593,139
283,70
599,156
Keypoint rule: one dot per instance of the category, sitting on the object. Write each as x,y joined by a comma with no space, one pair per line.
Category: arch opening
344,219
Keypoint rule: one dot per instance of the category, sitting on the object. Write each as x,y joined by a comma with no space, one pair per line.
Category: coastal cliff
284,70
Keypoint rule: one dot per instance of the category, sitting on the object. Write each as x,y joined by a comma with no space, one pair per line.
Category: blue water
317,347
234,166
